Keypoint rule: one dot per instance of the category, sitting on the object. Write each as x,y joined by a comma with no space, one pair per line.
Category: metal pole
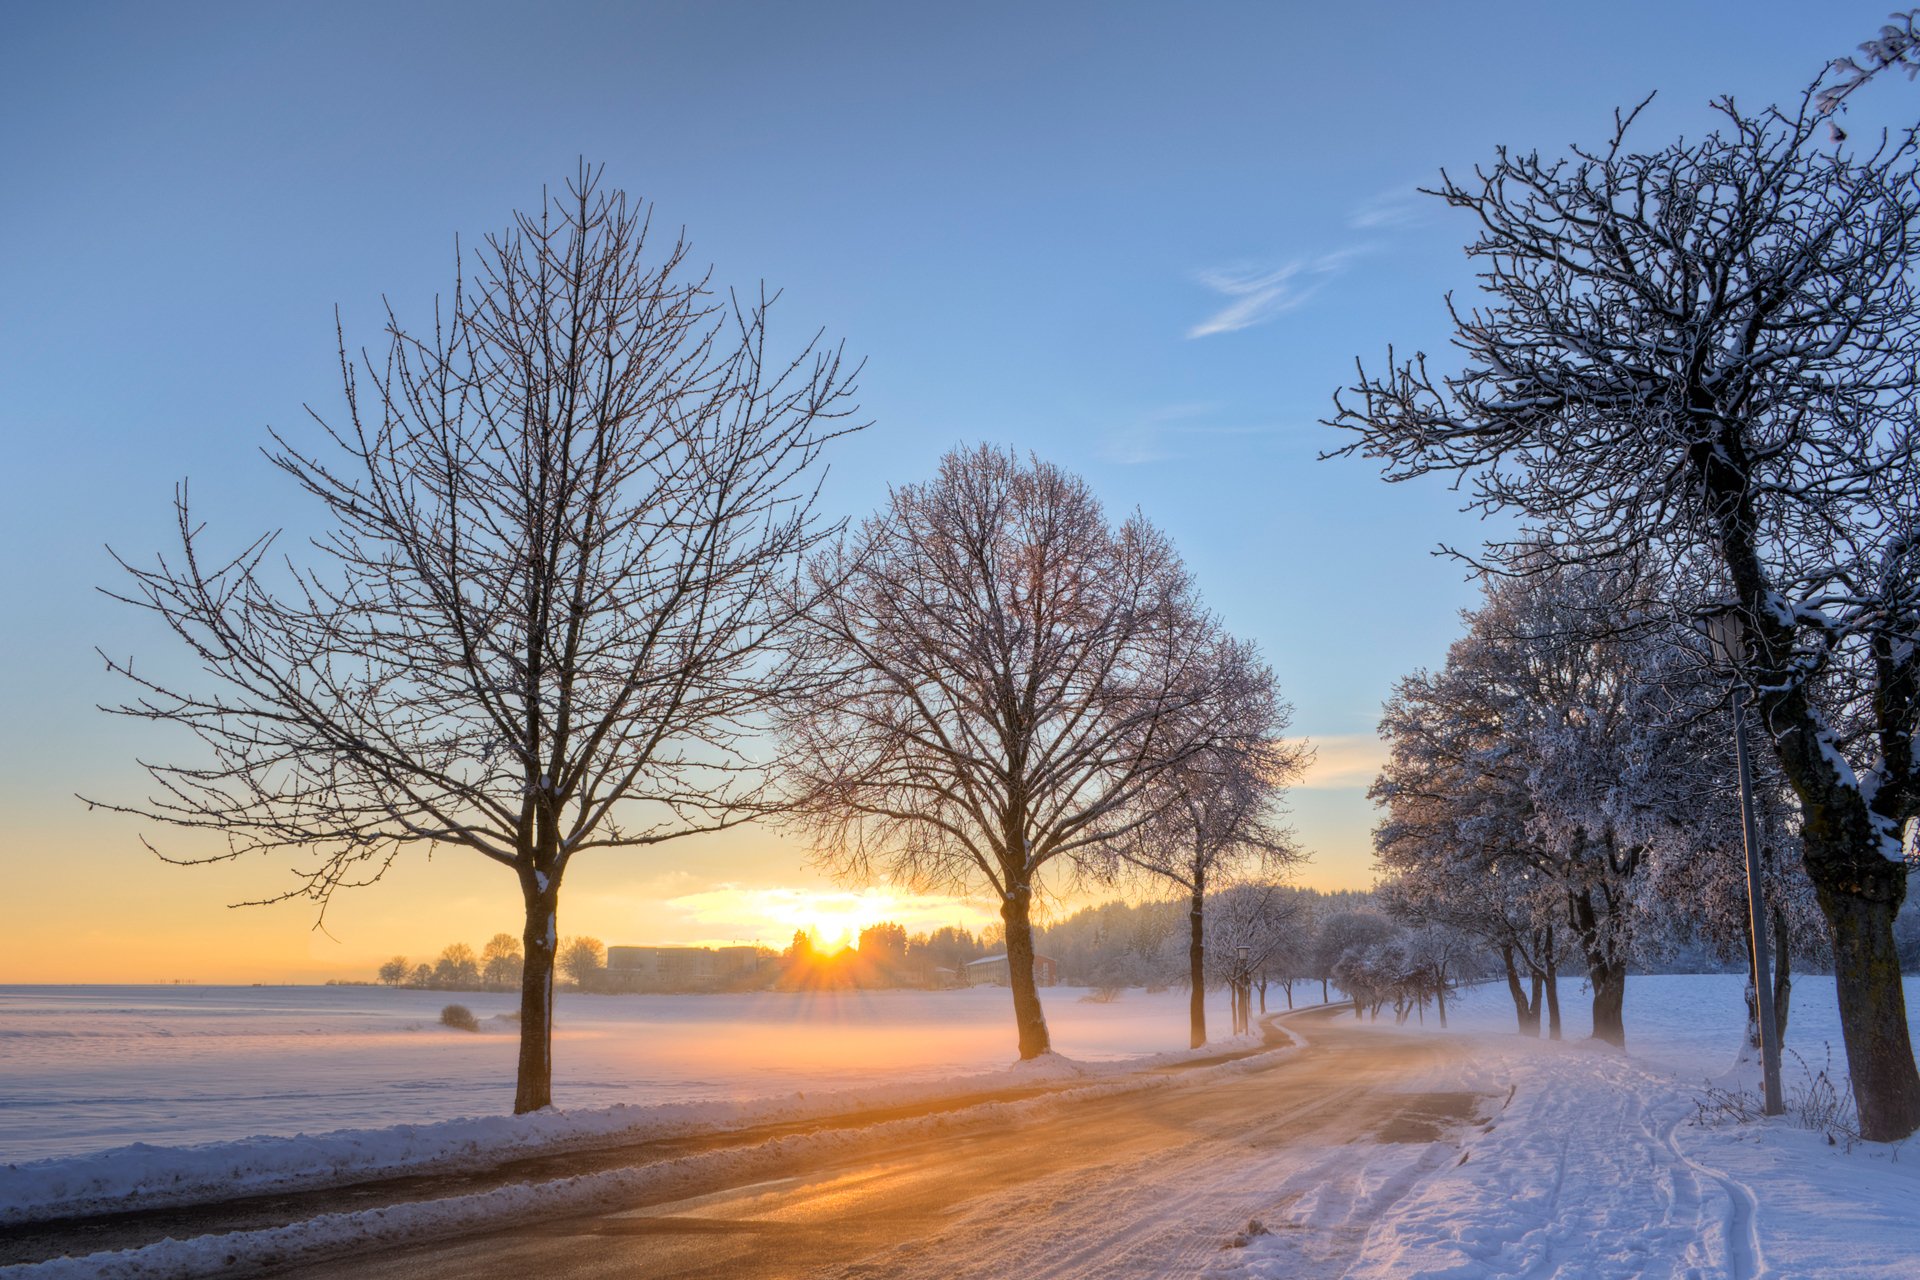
1757,914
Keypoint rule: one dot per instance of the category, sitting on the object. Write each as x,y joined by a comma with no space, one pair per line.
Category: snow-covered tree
1215,814
997,675
1250,924
1521,763
1709,352
545,617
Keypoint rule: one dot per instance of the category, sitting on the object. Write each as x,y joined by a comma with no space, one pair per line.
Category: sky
1146,243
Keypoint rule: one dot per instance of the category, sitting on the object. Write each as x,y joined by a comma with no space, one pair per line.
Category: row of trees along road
1700,362
1001,683
1564,786
574,572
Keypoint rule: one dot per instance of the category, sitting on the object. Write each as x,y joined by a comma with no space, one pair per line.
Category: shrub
458,1015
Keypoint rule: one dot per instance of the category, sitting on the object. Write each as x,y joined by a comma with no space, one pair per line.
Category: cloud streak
1387,211
1343,762
1258,294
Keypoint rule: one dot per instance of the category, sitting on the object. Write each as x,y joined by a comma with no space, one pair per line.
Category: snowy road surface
1373,1152
1140,1183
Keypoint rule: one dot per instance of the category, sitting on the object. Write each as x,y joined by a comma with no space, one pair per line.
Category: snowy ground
1598,1165
1571,1160
90,1068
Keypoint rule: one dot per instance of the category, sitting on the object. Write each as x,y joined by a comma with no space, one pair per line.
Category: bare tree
997,676
501,961
394,971
581,958
1214,814
565,519
1710,351
457,969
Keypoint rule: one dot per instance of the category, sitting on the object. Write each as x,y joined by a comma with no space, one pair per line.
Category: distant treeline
1109,945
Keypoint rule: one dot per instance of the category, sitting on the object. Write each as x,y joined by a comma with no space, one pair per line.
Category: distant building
678,968
992,971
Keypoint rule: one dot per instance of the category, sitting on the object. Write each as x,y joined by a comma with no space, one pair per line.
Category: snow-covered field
89,1068
1690,1024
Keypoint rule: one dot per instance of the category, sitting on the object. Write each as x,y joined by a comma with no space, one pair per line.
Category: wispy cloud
1258,294
1174,432
1344,761
1389,210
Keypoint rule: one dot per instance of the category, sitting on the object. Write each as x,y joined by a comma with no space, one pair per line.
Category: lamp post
1725,634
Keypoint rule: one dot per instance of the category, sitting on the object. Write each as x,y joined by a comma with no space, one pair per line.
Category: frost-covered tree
543,617
1521,762
1896,45
1215,814
997,676
1250,924
1710,352
1343,934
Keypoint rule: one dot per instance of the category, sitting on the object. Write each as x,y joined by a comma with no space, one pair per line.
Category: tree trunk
1873,1008
533,1087
1323,992
1440,1002
1027,1014
1263,995
1609,979
1858,888
1197,964
1529,1019
1553,991
1606,972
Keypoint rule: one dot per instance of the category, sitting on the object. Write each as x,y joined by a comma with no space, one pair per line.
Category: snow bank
1585,1162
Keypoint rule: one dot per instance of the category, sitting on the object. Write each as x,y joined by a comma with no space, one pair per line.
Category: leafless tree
501,961
998,674
1710,351
581,958
1250,924
565,520
1215,814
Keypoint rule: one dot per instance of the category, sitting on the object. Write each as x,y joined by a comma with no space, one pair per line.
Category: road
1156,1182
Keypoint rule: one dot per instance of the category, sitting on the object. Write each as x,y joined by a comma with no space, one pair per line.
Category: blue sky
1145,242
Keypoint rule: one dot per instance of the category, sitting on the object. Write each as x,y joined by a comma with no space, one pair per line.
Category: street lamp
1727,635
